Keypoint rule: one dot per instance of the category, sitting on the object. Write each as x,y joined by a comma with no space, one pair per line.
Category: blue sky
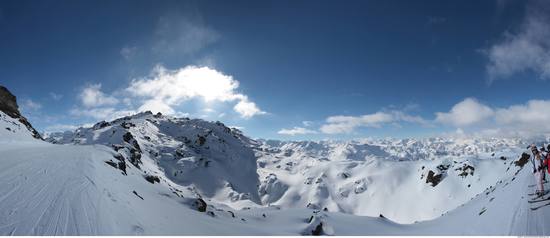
284,69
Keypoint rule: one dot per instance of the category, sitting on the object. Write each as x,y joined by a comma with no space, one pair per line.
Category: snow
368,187
12,130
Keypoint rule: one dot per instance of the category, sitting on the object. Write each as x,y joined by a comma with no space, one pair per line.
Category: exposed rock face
200,205
433,178
8,105
522,160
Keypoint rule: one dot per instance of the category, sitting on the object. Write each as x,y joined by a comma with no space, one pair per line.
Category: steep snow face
213,160
374,177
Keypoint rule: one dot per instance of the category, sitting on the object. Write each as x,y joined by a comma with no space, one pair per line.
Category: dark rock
111,163
137,195
127,137
312,206
443,167
318,230
119,157
522,160
8,105
100,125
122,166
152,179
128,125
466,170
201,140
200,205
482,211
433,179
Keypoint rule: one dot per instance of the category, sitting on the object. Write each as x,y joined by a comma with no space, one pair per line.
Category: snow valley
153,174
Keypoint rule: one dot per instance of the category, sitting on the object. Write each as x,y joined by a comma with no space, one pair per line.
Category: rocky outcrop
8,105
433,178
522,160
200,205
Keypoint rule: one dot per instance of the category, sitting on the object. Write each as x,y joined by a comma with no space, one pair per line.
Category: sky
291,70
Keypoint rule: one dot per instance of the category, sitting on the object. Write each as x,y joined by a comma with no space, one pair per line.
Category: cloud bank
296,131
522,120
166,89
525,50
465,113
347,124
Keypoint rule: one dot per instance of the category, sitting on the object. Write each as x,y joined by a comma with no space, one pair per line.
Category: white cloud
60,128
91,96
179,34
247,109
522,120
528,119
168,88
128,52
156,105
465,113
106,113
296,131
307,123
55,96
31,105
347,124
528,49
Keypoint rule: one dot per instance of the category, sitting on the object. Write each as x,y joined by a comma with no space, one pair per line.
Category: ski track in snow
47,197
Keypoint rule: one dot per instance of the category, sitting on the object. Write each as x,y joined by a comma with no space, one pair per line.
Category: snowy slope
13,130
157,175
363,178
211,159
68,189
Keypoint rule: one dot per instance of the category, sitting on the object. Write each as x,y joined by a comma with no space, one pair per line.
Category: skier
544,155
537,170
547,160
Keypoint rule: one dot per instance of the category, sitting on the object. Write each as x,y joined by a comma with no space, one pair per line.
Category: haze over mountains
158,175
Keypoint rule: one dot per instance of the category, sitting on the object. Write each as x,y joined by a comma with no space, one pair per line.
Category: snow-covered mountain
376,177
211,159
159,175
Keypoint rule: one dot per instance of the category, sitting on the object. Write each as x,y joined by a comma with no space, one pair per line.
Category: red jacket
546,162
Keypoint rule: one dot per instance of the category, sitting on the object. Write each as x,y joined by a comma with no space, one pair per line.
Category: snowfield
157,175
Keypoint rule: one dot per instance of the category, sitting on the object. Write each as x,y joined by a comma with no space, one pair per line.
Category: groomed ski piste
151,174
